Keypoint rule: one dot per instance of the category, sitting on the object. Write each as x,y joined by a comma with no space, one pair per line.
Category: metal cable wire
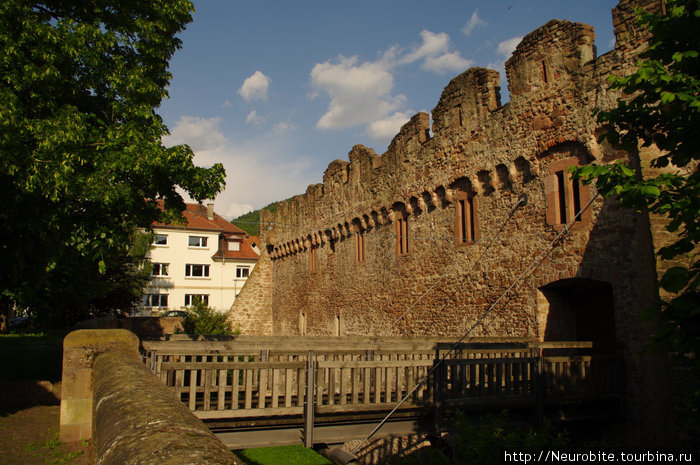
534,264
522,201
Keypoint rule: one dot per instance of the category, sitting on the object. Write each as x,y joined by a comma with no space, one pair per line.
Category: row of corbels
410,205
377,217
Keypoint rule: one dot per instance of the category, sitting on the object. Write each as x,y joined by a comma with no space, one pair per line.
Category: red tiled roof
246,251
196,217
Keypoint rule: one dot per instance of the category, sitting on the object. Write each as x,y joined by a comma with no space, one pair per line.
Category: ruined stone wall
253,313
491,154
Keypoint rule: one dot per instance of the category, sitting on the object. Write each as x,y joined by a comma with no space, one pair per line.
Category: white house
206,259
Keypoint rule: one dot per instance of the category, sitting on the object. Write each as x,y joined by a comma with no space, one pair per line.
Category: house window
196,271
155,300
466,226
159,269
197,241
565,196
191,299
359,246
402,234
160,239
242,271
234,246
313,259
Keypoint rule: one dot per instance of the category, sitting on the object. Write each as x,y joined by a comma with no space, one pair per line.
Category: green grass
32,356
284,455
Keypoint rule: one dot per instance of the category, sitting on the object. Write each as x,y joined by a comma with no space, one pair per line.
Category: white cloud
387,128
452,62
473,23
198,133
360,92
237,209
226,104
257,172
507,47
255,87
433,45
254,118
283,127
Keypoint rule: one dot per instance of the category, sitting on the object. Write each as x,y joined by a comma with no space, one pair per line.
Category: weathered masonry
400,244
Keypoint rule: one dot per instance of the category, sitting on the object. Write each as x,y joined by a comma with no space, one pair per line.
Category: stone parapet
110,397
80,348
139,420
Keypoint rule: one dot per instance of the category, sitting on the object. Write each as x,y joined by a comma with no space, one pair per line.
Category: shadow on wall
579,309
602,299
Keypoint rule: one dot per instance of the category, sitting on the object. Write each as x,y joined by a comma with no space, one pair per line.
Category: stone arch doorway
576,309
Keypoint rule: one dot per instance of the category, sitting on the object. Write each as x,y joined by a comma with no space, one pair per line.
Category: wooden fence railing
237,382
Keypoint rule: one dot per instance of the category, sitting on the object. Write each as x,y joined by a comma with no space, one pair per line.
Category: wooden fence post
310,401
438,394
539,386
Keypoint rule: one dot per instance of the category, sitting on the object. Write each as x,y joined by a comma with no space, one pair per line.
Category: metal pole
310,401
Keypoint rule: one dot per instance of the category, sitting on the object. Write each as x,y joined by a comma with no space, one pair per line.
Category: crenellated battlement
548,55
552,70
467,101
426,238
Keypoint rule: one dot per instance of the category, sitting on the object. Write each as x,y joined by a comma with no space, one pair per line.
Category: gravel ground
29,420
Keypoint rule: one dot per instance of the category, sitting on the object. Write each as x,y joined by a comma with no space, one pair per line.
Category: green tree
82,165
250,222
661,107
202,319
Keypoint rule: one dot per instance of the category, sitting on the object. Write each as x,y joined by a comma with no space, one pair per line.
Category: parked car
175,313
21,322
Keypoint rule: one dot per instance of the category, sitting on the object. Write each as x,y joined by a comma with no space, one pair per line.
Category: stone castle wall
489,153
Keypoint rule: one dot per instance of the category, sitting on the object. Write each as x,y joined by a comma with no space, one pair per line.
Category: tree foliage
82,165
484,440
661,107
250,222
204,320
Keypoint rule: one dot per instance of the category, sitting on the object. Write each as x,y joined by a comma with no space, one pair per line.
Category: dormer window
234,246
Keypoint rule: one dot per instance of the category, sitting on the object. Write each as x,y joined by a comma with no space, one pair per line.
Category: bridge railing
266,348
371,385
523,374
243,380
234,386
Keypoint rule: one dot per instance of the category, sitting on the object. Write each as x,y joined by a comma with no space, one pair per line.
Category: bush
204,320
483,441
424,456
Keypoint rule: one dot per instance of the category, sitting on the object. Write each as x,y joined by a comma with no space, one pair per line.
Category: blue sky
276,90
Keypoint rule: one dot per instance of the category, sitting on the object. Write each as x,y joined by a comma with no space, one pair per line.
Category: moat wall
339,263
